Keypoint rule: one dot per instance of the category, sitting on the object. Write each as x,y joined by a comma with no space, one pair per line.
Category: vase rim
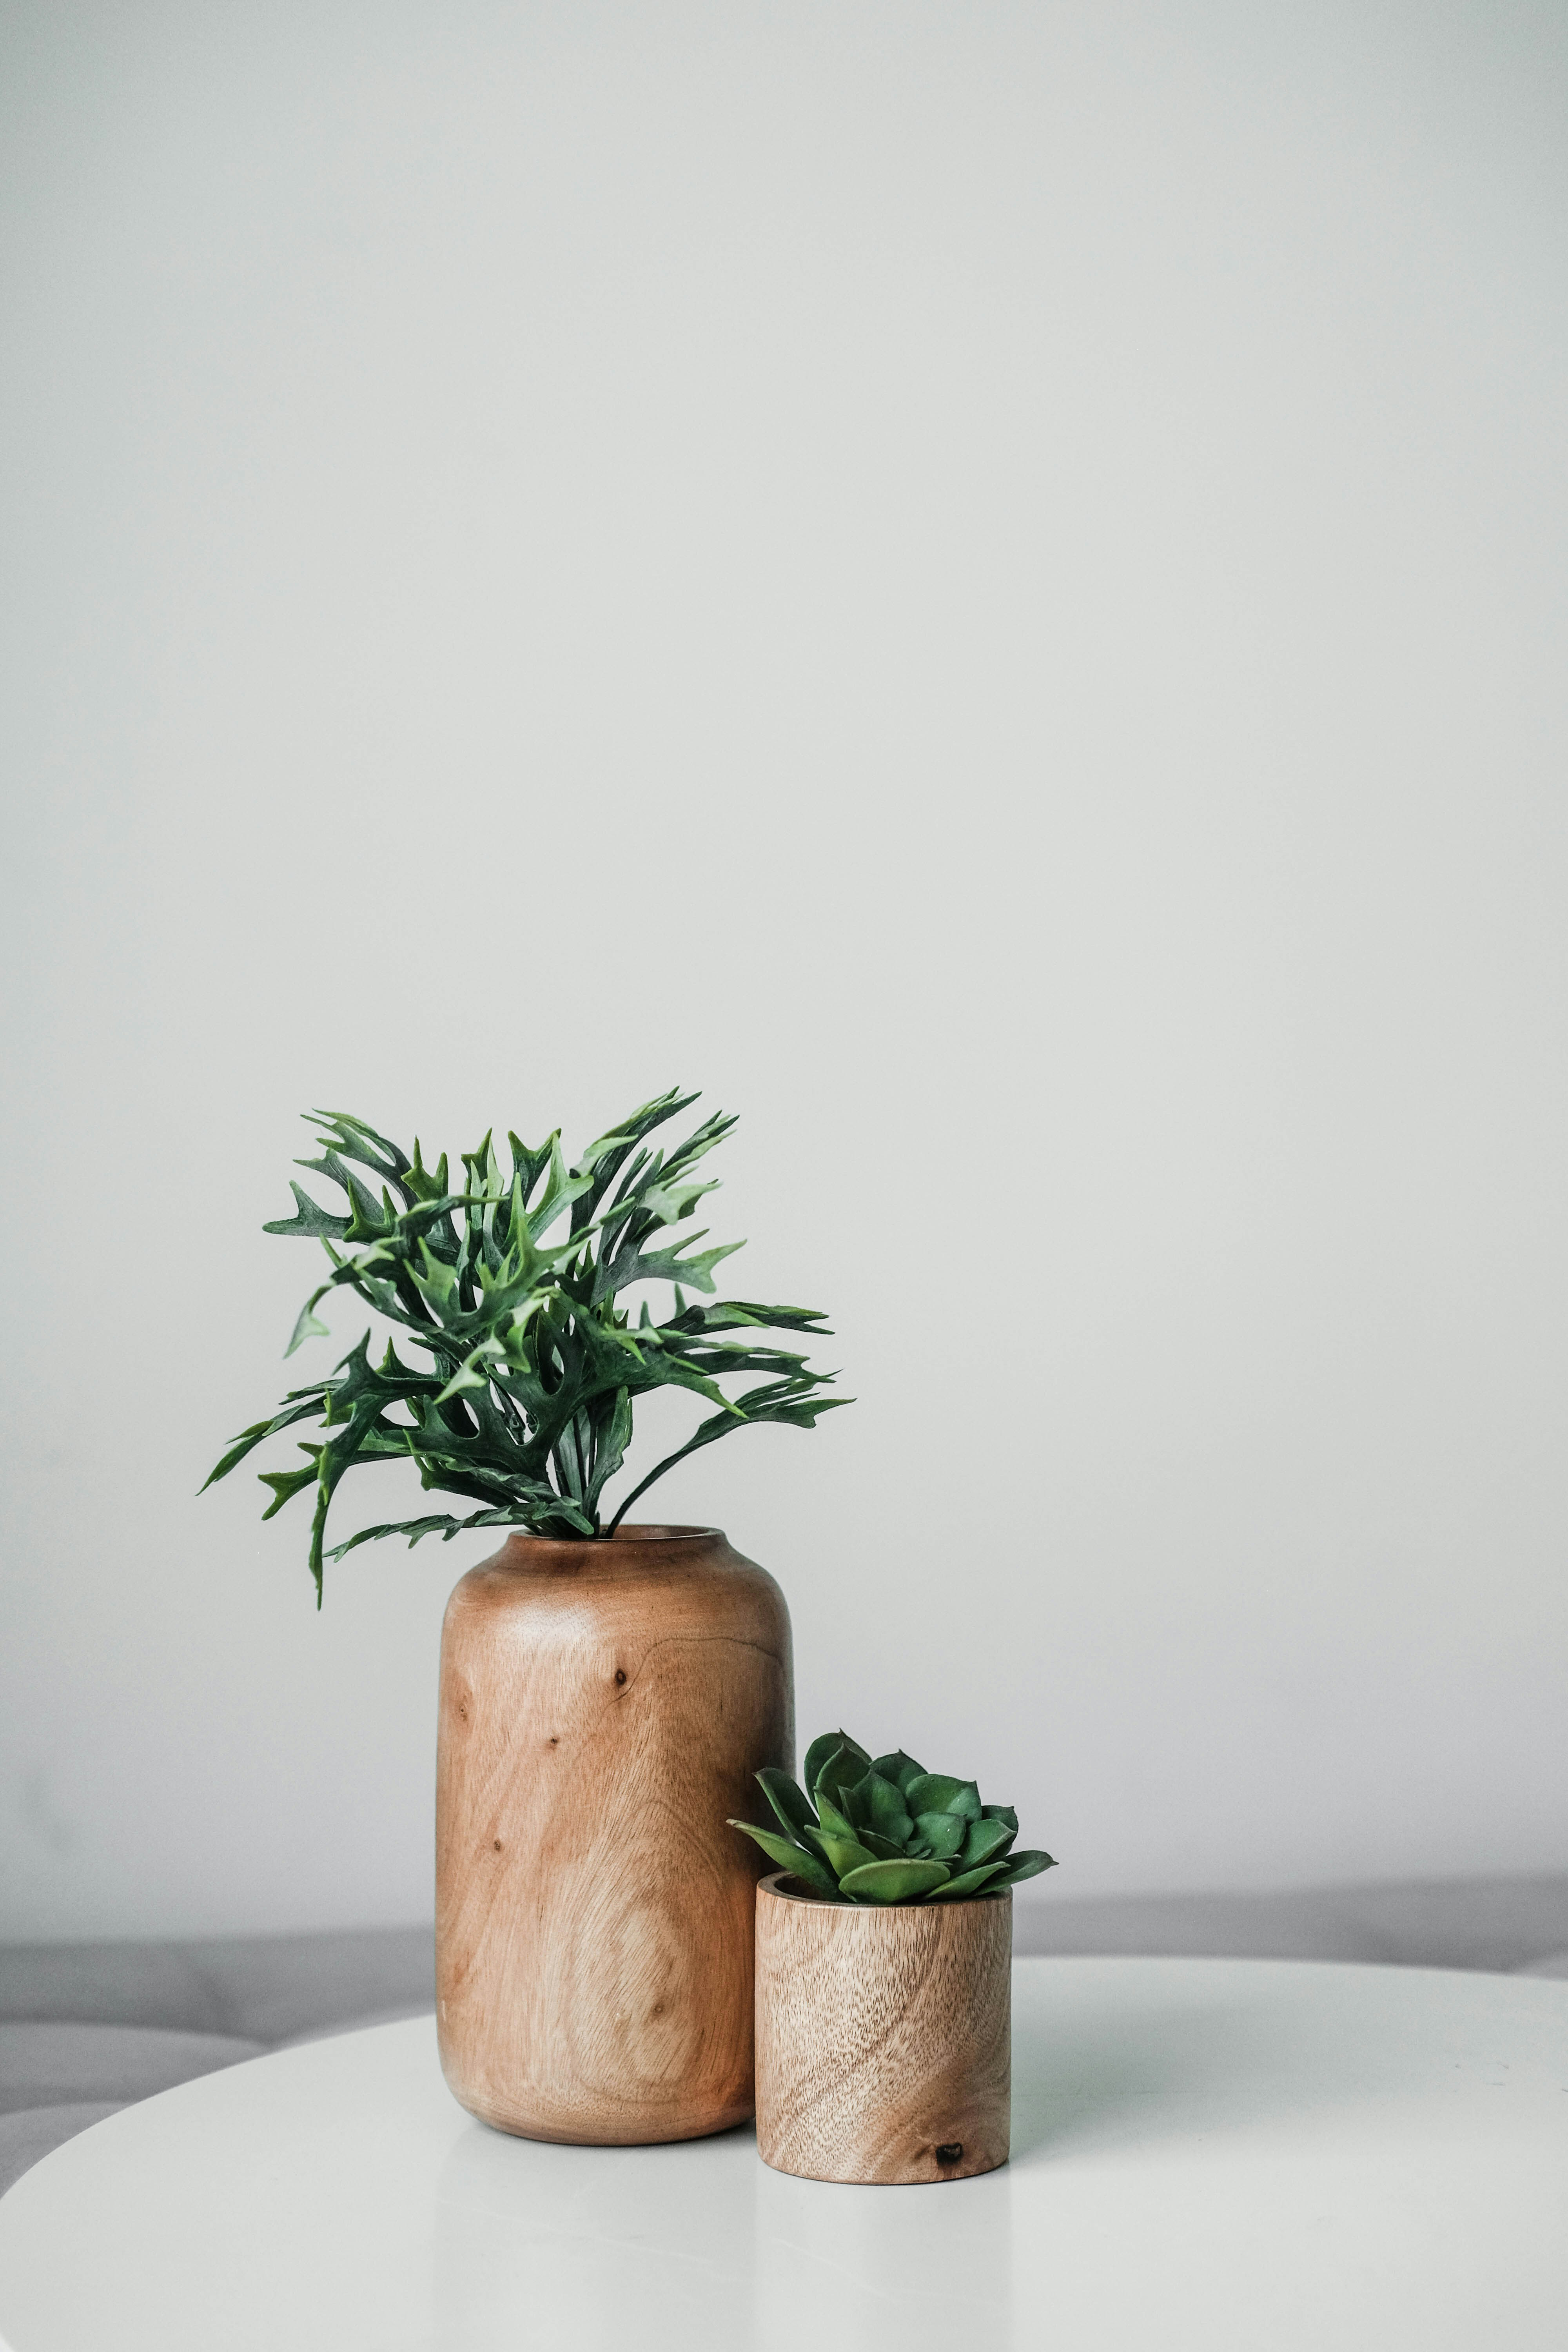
636,1532
771,1885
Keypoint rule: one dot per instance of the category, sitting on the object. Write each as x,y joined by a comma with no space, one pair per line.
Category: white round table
1237,2155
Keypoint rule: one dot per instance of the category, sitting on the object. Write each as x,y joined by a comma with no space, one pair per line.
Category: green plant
888,1831
526,1404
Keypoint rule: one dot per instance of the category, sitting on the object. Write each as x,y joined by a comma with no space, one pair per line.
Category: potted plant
593,1973
884,1970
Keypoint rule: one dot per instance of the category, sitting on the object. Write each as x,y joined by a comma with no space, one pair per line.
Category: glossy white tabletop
1240,2156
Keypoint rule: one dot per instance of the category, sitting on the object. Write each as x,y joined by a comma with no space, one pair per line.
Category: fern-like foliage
508,1283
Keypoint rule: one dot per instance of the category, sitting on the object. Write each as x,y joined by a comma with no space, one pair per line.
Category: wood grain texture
884,2037
604,1707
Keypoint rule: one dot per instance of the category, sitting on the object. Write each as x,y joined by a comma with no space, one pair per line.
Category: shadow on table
1113,2077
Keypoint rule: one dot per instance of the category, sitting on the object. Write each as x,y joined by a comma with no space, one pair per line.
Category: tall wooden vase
604,1705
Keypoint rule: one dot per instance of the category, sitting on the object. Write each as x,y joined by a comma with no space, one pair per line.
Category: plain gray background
982,582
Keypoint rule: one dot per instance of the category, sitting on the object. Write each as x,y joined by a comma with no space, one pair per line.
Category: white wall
985,584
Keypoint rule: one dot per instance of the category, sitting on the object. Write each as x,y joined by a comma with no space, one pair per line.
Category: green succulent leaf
941,1834
937,1792
898,1768
886,1849
833,1820
1000,1813
821,1751
788,1801
885,1807
893,1882
787,1855
1025,1865
986,1841
839,1777
844,1854
968,1882
853,1802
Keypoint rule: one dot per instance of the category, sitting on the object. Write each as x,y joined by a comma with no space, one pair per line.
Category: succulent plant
884,1830
525,1406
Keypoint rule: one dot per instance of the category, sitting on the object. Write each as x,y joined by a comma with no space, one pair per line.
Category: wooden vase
884,2036
604,1705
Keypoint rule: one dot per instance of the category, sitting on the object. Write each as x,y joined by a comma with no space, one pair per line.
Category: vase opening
639,1533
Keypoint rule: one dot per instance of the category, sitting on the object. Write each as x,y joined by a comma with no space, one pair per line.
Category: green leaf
1000,1813
900,1768
893,1882
421,1183
308,1326
839,1776
359,1143
986,1840
1025,1865
310,1221
940,1833
885,1807
777,1402
287,1484
830,1815
662,1265
560,1191
440,1524
853,1802
248,1439
886,1849
790,1856
788,1801
370,1218
843,1852
670,1203
938,1792
970,1882
818,1754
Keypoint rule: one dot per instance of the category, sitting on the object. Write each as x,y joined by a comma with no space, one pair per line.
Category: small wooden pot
884,2036
603,1707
